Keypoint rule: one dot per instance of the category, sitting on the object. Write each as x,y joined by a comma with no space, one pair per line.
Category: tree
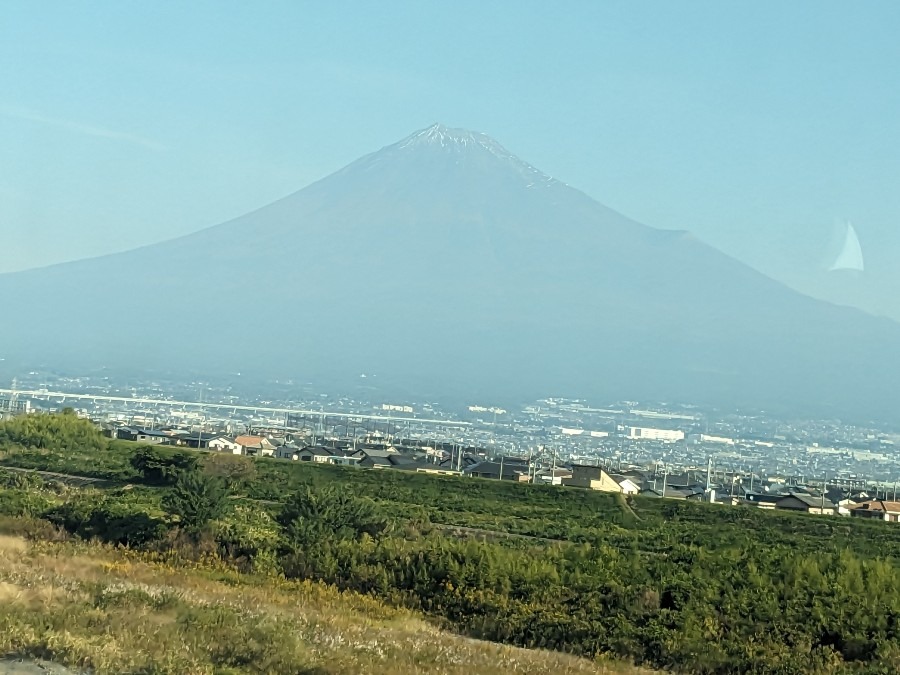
311,515
235,470
250,536
90,515
162,467
196,499
53,431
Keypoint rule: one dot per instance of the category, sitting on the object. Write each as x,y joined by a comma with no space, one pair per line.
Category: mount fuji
446,265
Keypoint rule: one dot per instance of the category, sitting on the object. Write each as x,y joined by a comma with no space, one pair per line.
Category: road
47,395
78,481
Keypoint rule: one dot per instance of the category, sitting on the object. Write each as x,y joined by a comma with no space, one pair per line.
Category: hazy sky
757,125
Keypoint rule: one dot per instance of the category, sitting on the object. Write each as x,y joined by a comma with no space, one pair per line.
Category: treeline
51,432
689,587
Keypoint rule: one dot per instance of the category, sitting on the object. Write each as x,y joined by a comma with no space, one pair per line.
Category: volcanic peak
462,140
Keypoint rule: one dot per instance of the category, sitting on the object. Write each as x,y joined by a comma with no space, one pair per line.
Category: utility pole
534,459
14,396
200,433
501,467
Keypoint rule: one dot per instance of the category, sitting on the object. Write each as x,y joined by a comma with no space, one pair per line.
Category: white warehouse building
649,434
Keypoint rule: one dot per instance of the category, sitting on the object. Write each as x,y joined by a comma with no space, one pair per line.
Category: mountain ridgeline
445,265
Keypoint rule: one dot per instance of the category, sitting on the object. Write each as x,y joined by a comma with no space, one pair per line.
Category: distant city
675,451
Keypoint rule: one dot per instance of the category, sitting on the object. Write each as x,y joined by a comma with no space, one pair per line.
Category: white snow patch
463,140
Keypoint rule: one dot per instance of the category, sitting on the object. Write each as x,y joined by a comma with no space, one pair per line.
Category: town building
256,445
650,434
148,436
515,469
223,444
593,478
879,509
807,504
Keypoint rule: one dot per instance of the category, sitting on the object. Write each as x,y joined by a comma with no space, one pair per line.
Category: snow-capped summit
455,139
460,145
445,136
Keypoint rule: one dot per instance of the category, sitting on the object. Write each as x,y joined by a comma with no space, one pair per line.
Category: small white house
629,487
225,445
844,506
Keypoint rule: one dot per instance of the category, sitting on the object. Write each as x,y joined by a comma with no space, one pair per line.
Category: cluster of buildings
757,459
372,452
827,499
12,405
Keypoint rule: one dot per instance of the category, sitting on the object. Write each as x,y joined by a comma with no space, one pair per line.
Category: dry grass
93,607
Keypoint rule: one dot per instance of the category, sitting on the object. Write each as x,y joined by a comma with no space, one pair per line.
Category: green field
688,587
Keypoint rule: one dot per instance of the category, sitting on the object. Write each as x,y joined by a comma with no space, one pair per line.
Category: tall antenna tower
12,404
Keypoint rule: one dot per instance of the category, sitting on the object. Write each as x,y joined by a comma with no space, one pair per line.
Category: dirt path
71,479
495,534
13,666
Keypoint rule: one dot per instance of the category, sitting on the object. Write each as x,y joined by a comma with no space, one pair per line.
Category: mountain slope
445,264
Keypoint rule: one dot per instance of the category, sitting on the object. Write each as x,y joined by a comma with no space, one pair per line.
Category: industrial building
650,434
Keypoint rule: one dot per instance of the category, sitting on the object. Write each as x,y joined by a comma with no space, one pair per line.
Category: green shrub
162,466
19,502
196,499
91,516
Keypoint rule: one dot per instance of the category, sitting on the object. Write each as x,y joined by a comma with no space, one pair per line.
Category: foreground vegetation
120,611
689,587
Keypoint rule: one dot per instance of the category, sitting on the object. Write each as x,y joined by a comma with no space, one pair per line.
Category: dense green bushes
92,515
18,502
52,432
312,516
196,499
705,612
162,466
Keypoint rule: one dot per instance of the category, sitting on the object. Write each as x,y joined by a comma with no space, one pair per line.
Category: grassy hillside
570,515
689,587
117,611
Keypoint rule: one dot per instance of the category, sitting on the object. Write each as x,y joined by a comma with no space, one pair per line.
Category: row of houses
878,509
373,455
240,445
858,505
575,475
443,461
632,482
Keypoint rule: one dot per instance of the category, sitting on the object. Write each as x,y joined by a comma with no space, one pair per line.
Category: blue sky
756,125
